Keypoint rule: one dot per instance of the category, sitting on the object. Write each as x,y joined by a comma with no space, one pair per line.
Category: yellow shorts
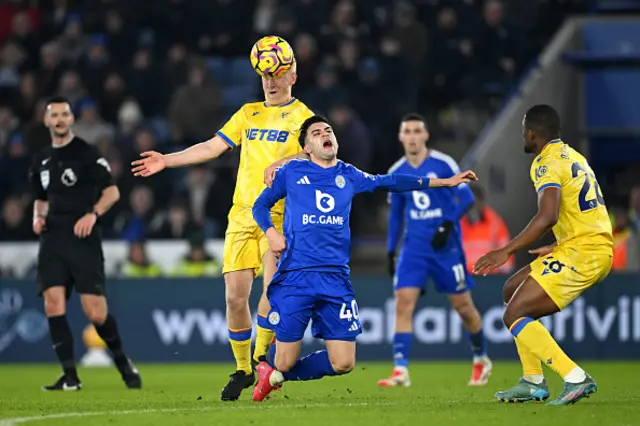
244,242
568,271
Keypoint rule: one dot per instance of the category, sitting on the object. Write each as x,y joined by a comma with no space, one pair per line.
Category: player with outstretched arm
312,280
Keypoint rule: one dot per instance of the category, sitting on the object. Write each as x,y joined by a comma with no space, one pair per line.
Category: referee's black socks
108,330
63,344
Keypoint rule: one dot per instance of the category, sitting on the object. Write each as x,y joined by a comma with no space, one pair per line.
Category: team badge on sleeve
45,177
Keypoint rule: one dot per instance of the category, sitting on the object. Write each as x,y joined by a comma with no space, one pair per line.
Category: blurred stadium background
165,74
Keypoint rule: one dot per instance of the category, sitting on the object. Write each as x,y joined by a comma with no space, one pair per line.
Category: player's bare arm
153,162
464,177
84,225
544,250
542,222
270,171
40,210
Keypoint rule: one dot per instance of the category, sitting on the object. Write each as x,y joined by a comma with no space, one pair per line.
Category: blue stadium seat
219,69
241,72
233,97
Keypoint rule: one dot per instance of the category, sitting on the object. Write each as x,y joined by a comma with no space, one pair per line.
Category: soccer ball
272,56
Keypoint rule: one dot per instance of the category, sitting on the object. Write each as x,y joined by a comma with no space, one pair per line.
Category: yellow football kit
266,134
584,254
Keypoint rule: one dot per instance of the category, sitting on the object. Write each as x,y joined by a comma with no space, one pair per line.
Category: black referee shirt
71,178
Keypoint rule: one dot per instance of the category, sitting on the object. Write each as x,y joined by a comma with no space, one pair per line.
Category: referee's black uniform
72,178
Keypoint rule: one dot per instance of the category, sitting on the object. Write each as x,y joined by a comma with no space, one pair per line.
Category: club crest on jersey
340,182
68,177
45,178
274,318
540,171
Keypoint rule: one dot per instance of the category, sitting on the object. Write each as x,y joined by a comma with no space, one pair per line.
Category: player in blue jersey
312,280
432,249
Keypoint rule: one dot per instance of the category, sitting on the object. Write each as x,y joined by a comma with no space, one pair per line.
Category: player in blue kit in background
432,248
312,280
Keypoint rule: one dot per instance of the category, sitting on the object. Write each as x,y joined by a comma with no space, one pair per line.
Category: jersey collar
283,105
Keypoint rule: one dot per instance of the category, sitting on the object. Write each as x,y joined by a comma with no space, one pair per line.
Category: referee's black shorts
72,262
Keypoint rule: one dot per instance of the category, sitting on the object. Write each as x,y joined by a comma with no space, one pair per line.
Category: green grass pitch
188,394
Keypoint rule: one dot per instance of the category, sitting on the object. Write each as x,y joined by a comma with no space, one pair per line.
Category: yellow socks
264,337
241,346
533,336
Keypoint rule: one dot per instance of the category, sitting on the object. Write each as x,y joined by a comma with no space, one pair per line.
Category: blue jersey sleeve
466,199
396,182
270,196
396,215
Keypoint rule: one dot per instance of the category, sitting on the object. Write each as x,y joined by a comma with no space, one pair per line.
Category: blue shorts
326,298
448,271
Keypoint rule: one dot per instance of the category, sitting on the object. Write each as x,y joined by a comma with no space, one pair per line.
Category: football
272,56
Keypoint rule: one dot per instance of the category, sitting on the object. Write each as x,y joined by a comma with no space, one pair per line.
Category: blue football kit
422,213
312,281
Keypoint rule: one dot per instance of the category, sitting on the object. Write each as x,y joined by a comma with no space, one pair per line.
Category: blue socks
401,348
478,345
311,367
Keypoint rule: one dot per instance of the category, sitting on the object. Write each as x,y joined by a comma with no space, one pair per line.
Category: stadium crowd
166,74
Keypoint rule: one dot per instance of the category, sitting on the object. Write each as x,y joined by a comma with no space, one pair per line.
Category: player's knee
96,314
236,303
343,365
54,306
509,318
405,305
284,363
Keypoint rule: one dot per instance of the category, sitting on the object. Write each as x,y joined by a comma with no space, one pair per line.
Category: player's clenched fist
277,242
39,225
152,162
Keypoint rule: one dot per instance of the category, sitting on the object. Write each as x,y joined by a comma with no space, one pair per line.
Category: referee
72,188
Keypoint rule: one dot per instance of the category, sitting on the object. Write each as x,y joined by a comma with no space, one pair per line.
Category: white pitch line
19,420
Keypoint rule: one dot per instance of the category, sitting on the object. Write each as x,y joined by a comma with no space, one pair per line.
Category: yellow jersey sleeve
232,131
546,173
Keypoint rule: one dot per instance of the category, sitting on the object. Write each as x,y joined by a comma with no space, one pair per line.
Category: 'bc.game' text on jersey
423,211
267,134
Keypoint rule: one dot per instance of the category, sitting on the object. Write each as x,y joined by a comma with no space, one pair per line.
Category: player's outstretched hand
152,162
543,251
277,242
39,225
464,177
490,261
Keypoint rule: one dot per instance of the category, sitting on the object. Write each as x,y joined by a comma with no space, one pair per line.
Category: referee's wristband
96,213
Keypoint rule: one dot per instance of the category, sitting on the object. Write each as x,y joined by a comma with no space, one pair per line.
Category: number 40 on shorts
347,313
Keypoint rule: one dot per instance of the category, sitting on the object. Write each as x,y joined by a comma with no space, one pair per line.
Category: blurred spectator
177,223
22,32
140,218
89,125
634,212
12,56
70,86
15,225
177,65
306,50
120,38
50,67
264,16
35,132
8,125
411,34
95,63
343,24
129,117
138,264
195,107
147,84
626,255
348,58
484,230
311,14
197,262
113,96
327,91
72,41
356,145
28,97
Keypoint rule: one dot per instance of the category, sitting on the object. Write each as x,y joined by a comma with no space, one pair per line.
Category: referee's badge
274,318
340,182
45,177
